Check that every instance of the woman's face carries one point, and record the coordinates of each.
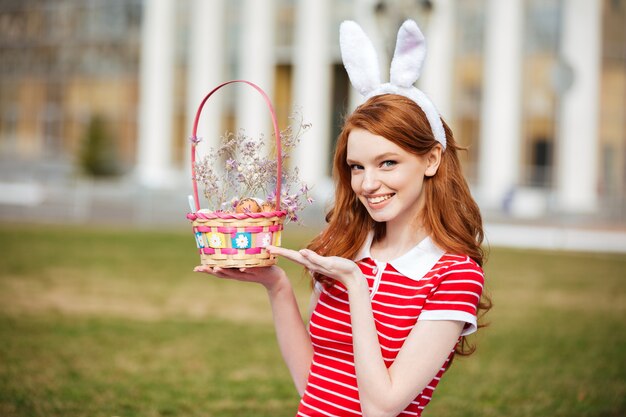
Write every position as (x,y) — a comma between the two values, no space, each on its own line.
(387,179)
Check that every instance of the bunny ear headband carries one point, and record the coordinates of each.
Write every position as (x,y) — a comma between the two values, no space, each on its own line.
(361,62)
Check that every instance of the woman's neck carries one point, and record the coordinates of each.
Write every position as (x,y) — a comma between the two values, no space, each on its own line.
(398,240)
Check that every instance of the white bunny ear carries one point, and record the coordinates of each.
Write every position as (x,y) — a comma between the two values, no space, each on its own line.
(359,57)
(408,56)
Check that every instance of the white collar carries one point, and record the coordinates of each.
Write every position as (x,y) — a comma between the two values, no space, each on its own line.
(413,264)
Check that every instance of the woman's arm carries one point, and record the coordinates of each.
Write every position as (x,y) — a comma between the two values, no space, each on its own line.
(293,338)
(383,391)
(386,392)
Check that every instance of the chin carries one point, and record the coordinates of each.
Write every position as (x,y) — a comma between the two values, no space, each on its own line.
(380,217)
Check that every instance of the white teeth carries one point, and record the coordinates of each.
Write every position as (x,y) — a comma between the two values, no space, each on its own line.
(375,200)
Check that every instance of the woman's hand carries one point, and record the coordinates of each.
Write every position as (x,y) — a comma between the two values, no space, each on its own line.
(335,267)
(268,276)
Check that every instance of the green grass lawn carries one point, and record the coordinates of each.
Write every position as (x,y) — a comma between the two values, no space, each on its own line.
(114,323)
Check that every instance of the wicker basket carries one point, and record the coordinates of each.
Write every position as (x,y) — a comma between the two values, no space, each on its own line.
(236,240)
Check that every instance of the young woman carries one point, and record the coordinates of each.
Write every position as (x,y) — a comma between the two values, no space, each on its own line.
(397,272)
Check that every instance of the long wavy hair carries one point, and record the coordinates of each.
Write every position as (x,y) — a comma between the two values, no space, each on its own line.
(450,215)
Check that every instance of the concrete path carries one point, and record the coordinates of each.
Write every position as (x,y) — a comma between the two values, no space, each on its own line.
(125,204)
(556,238)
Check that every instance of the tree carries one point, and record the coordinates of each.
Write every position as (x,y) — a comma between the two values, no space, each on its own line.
(98,156)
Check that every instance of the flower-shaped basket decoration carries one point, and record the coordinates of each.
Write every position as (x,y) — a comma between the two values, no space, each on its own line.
(239,239)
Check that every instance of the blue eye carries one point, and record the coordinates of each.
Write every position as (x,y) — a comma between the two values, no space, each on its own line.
(354,167)
(389,164)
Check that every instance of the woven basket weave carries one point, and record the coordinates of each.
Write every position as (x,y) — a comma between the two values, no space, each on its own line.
(236,240)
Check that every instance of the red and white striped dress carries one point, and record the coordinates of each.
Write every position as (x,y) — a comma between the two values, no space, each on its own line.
(423,284)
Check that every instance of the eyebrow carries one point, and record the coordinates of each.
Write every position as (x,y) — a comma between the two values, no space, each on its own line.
(381,157)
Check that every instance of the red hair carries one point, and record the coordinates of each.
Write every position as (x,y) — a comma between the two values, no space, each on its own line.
(450,215)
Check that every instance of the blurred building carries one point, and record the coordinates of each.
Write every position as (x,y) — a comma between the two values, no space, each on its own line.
(61,64)
(536,89)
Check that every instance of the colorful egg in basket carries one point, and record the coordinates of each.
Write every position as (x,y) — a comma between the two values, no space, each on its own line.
(238,239)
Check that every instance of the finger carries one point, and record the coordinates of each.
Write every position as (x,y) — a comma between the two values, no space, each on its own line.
(318,260)
(216,272)
(292,255)
(226,272)
(332,264)
(230,273)
(276,250)
(314,267)
(236,273)
(309,254)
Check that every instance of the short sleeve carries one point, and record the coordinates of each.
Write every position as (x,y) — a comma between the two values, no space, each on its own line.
(456,296)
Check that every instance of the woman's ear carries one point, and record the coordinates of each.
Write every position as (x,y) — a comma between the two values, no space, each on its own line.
(433,159)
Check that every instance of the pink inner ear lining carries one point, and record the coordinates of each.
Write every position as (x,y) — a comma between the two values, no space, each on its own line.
(408,56)
(409,45)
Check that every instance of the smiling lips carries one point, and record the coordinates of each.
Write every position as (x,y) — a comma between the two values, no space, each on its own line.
(379,199)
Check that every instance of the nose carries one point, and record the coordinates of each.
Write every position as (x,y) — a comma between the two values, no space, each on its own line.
(370,182)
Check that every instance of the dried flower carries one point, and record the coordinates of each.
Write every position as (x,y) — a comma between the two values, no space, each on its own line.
(236,171)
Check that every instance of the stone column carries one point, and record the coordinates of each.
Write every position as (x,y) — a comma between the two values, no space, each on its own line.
(365,16)
(205,71)
(577,150)
(501,110)
(256,64)
(311,86)
(154,156)
(437,74)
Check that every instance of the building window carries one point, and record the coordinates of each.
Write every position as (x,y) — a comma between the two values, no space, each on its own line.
(540,91)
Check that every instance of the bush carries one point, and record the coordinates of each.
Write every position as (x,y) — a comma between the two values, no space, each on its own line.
(98,156)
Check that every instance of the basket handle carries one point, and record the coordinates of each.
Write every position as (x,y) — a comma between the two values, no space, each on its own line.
(194,140)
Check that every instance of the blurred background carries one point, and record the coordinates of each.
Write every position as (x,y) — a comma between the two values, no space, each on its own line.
(97,100)
(100,313)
